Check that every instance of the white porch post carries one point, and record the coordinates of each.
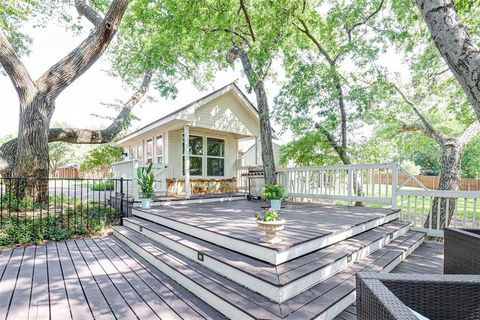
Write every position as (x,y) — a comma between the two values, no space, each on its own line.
(256,150)
(186,152)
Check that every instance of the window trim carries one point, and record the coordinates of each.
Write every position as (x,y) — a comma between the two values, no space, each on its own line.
(146,150)
(156,149)
(205,157)
(196,156)
(215,157)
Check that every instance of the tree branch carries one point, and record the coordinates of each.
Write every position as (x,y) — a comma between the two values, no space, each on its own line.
(88,12)
(247,19)
(63,73)
(15,69)
(367,18)
(307,32)
(86,136)
(340,150)
(459,50)
(427,127)
(469,134)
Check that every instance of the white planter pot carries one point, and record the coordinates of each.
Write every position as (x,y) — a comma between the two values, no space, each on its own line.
(271,228)
(146,203)
(276,204)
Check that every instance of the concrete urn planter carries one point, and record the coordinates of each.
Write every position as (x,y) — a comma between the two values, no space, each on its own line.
(271,228)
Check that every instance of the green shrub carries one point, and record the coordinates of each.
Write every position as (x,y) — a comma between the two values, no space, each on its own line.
(274,192)
(108,185)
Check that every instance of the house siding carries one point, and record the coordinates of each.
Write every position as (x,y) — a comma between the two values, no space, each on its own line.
(223,113)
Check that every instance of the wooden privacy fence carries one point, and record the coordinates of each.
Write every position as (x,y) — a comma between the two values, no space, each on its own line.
(430,182)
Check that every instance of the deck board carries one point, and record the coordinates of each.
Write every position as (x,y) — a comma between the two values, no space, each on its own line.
(236,219)
(428,259)
(89,279)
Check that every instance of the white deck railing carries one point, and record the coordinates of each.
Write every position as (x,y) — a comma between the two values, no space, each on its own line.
(128,170)
(351,183)
(377,185)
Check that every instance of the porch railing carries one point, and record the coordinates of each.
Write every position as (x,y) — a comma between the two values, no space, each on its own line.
(378,185)
(128,170)
(351,183)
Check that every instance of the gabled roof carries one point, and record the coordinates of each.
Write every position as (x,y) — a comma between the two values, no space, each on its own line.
(194,104)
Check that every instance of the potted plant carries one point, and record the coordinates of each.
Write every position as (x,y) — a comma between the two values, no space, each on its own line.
(146,180)
(275,193)
(269,222)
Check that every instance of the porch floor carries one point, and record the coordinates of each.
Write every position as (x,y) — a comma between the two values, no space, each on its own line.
(101,278)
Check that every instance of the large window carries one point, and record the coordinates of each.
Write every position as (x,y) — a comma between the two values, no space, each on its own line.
(196,155)
(149,150)
(159,149)
(215,157)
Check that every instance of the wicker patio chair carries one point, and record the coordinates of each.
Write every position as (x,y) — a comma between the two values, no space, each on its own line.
(462,251)
(383,296)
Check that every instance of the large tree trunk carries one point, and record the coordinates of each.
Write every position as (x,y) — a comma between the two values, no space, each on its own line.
(264,117)
(457,47)
(450,178)
(31,155)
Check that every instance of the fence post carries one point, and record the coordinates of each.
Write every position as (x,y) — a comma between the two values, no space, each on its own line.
(394,185)
(121,201)
(350,184)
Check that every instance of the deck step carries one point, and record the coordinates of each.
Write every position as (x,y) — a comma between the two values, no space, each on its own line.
(324,300)
(278,283)
(299,241)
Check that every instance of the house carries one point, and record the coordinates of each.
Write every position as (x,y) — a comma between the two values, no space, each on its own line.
(253,155)
(212,127)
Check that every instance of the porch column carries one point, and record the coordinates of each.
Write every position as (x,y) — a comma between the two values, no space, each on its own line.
(186,152)
(256,150)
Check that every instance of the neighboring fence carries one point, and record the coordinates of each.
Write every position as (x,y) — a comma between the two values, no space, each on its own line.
(384,185)
(430,182)
(51,209)
(67,173)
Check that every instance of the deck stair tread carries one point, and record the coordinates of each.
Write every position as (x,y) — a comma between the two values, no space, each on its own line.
(284,273)
(235,229)
(309,304)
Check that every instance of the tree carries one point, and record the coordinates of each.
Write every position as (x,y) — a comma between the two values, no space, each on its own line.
(456,45)
(98,162)
(203,36)
(27,155)
(60,154)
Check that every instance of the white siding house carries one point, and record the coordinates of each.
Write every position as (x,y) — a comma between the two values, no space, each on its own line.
(214,126)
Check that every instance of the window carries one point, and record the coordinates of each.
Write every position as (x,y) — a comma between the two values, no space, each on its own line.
(149,150)
(159,150)
(196,155)
(131,153)
(215,157)
(140,153)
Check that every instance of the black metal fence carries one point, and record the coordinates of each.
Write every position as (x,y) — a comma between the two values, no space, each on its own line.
(37,209)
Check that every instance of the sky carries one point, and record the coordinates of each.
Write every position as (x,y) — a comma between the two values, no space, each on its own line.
(77,105)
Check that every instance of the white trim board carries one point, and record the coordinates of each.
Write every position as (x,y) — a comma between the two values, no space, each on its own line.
(277,293)
(266,254)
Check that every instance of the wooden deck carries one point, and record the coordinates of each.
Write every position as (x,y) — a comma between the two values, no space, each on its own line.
(90,279)
(428,258)
(232,224)
(102,279)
